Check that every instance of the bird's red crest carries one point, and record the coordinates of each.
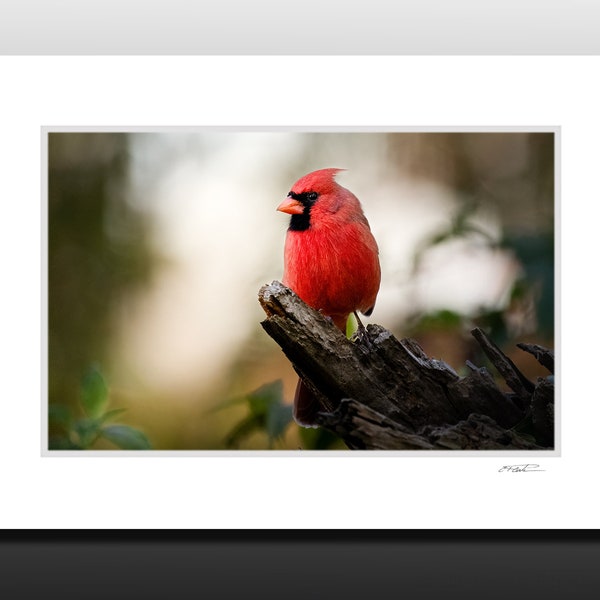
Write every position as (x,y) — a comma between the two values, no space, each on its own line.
(322,181)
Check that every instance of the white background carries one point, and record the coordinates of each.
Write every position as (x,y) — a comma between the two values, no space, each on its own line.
(298,491)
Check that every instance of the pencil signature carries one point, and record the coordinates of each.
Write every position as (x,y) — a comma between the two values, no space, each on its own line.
(525,468)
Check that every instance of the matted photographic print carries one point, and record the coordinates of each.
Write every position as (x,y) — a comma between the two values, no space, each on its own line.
(249,289)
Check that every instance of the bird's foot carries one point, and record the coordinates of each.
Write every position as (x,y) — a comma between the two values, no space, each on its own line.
(361,333)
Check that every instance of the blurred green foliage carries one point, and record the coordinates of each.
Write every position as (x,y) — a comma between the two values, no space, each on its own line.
(511,176)
(97,251)
(267,413)
(532,292)
(535,253)
(94,423)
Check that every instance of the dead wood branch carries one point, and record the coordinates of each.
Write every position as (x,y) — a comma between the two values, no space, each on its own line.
(387,394)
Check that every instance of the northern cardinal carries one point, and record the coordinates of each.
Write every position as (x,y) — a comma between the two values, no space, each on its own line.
(331,259)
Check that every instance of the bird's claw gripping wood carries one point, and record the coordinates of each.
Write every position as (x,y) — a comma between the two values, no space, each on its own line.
(361,333)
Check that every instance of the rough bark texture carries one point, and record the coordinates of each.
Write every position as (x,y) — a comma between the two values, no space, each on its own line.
(378,392)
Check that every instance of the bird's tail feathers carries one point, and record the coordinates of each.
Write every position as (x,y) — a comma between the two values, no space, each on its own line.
(306,406)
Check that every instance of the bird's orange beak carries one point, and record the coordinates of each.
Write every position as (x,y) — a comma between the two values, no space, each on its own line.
(291,207)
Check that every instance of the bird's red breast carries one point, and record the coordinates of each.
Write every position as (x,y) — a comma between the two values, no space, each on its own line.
(331,259)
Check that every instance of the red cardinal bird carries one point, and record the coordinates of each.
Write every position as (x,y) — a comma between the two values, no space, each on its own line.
(331,259)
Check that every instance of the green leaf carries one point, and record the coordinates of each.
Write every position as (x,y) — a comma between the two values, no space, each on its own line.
(278,419)
(268,414)
(269,410)
(59,415)
(111,414)
(261,399)
(125,437)
(94,392)
(258,399)
(243,429)
(87,430)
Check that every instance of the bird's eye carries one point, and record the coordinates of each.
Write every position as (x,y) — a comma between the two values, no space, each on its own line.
(312,196)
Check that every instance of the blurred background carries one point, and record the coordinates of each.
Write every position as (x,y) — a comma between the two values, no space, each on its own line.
(159,242)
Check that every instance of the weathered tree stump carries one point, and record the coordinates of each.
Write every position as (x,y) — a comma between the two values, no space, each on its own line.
(387,394)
